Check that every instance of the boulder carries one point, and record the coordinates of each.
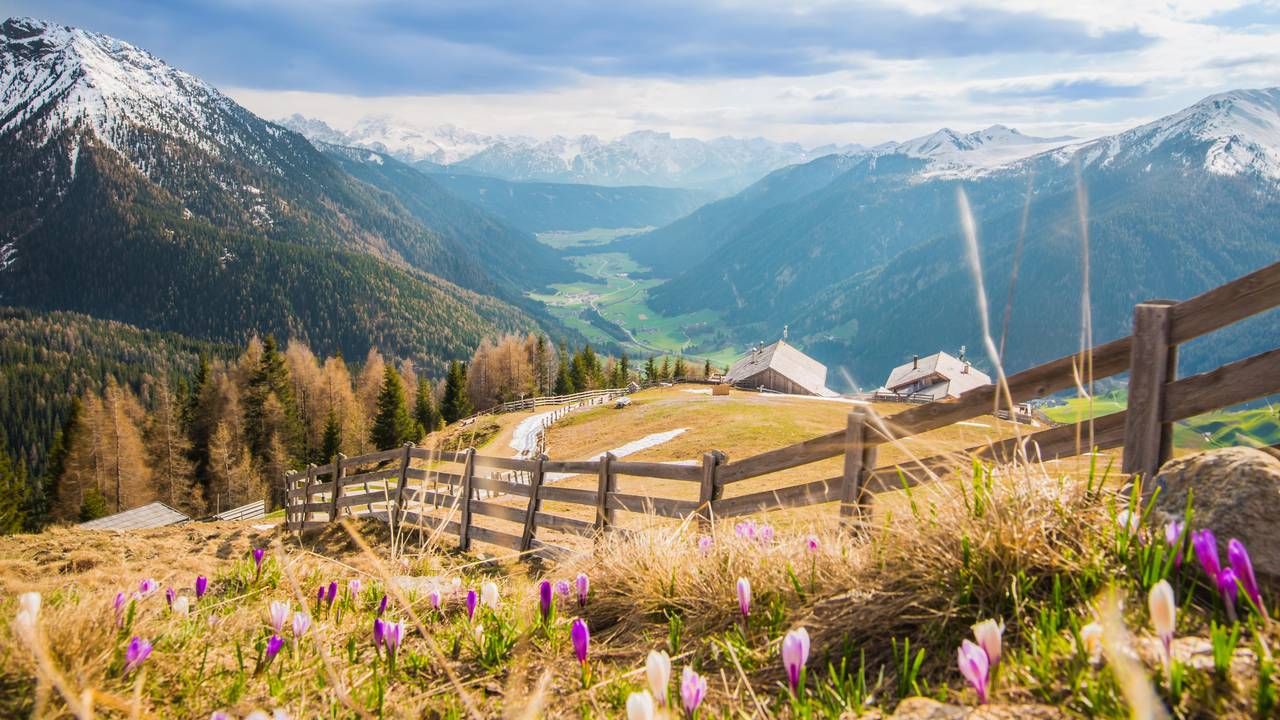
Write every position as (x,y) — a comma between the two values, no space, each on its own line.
(922,708)
(1236,493)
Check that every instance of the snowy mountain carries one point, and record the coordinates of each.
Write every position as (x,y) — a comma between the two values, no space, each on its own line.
(949,153)
(639,158)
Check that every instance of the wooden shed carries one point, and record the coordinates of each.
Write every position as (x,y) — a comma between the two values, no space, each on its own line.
(781,368)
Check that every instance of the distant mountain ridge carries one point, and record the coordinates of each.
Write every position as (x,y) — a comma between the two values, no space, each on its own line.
(639,158)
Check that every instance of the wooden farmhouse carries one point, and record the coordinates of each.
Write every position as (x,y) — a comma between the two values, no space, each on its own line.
(936,377)
(780,368)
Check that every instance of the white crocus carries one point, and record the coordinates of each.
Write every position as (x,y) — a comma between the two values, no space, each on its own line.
(28,612)
(657,668)
(640,706)
(1091,638)
(182,605)
(988,633)
(489,595)
(1164,613)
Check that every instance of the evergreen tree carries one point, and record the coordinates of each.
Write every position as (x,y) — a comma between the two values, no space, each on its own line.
(564,378)
(679,370)
(56,466)
(13,492)
(93,506)
(332,443)
(541,366)
(424,410)
(624,371)
(665,372)
(392,425)
(706,370)
(457,403)
(270,378)
(650,370)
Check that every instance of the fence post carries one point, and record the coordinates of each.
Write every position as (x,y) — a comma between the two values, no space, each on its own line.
(464,521)
(604,516)
(859,459)
(1153,362)
(290,479)
(404,478)
(710,489)
(301,518)
(338,473)
(535,504)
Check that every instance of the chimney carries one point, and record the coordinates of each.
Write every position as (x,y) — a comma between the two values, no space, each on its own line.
(915,362)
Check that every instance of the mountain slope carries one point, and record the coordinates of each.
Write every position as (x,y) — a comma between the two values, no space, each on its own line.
(133,191)
(544,206)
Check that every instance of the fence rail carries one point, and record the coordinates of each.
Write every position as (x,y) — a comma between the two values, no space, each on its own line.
(443,498)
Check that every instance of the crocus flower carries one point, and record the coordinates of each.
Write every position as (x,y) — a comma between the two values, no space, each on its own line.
(811,543)
(544,599)
(392,635)
(382,605)
(202,585)
(795,653)
(28,612)
(581,637)
(274,643)
(118,605)
(563,591)
(693,688)
(1091,638)
(379,632)
(332,594)
(1164,613)
(181,605)
(1238,556)
(745,529)
(354,586)
(472,600)
(319,596)
(744,597)
(301,623)
(258,555)
(279,613)
(1206,548)
(147,587)
(169,595)
(764,534)
(435,598)
(219,715)
(137,651)
(657,668)
(975,667)
(988,634)
(1173,537)
(1229,587)
(1127,520)
(705,544)
(640,706)
(489,594)
(583,586)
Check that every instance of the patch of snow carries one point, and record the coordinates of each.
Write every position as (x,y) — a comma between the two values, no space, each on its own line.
(8,253)
(697,391)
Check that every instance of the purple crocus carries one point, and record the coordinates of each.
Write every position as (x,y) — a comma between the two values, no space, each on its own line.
(332,594)
(581,637)
(379,632)
(975,667)
(583,586)
(436,599)
(258,555)
(744,597)
(118,606)
(169,595)
(1229,587)
(811,544)
(693,688)
(544,599)
(382,605)
(319,596)
(795,653)
(137,651)
(705,543)
(274,643)
(392,636)
(472,600)
(765,534)
(745,530)
(563,591)
(354,586)
(147,587)
(1206,548)
(1173,536)
(1238,556)
(301,623)
(202,586)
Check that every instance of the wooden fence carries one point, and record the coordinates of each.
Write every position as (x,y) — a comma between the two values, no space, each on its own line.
(440,495)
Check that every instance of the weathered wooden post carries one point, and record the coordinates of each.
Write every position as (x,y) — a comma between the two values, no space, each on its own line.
(1153,362)
(404,479)
(290,480)
(604,516)
(535,504)
(464,521)
(859,461)
(338,473)
(709,491)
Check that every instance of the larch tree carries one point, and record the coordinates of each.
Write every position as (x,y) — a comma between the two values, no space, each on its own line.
(168,455)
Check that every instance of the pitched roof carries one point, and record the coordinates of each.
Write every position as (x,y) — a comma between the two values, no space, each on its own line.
(254,510)
(788,361)
(960,376)
(151,515)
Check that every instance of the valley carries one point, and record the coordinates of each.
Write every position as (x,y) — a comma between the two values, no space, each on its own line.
(611,307)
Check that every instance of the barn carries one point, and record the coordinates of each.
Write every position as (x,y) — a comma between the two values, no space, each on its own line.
(935,377)
(781,368)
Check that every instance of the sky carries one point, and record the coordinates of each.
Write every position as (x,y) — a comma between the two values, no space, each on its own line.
(802,71)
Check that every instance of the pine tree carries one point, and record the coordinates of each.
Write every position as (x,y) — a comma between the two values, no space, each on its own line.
(706,370)
(457,403)
(650,370)
(56,466)
(270,378)
(392,425)
(679,370)
(564,379)
(13,492)
(93,506)
(541,366)
(624,371)
(332,443)
(665,372)
(424,410)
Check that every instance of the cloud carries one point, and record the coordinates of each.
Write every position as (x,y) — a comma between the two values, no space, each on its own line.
(1067,90)
(387,48)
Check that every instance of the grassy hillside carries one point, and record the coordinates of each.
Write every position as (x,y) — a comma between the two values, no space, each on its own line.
(1254,427)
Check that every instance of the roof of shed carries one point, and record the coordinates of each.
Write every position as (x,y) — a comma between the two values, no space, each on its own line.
(786,360)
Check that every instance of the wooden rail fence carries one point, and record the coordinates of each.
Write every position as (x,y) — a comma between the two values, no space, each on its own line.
(440,494)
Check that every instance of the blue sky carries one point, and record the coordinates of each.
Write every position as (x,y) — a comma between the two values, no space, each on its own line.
(806,71)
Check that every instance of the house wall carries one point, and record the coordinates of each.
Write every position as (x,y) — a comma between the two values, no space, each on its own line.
(773,380)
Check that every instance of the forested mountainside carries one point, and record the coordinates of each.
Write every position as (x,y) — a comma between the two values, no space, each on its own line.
(871,267)
(545,206)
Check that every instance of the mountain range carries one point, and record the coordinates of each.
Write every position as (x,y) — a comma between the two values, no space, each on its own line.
(862,255)
(644,157)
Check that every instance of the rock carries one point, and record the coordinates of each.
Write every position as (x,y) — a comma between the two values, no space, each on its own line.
(1236,494)
(922,708)
(1016,712)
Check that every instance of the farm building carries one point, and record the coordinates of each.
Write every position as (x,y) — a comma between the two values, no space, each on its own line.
(151,515)
(935,377)
(781,368)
